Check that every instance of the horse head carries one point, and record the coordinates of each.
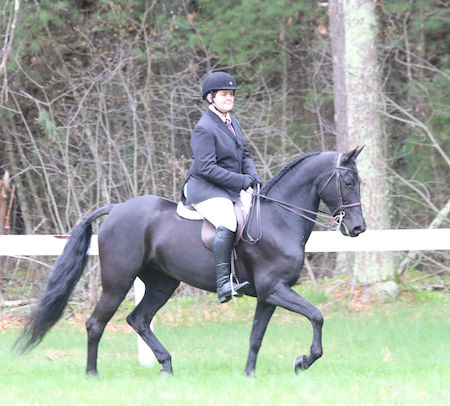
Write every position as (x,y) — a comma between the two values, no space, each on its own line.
(341,193)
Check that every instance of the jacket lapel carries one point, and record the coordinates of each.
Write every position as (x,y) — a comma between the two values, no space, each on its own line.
(239,136)
(222,126)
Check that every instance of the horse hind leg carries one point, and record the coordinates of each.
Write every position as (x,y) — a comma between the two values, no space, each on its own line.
(158,289)
(95,325)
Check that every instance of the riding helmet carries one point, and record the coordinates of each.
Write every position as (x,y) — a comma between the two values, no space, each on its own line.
(218,81)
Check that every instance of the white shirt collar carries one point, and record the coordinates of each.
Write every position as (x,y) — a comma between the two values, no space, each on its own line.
(222,117)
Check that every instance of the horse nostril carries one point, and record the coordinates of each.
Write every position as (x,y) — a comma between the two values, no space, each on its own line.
(358,230)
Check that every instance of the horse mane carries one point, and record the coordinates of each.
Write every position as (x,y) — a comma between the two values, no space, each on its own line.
(272,182)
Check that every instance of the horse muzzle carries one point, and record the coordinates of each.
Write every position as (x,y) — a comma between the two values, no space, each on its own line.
(352,229)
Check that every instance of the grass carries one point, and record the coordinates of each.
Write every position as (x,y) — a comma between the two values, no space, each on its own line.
(391,354)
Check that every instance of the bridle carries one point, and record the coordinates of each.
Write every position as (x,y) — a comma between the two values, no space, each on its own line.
(337,215)
(337,173)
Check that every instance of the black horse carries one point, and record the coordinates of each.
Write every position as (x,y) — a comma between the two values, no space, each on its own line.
(145,238)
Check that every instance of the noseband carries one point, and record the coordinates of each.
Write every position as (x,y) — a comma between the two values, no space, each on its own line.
(337,173)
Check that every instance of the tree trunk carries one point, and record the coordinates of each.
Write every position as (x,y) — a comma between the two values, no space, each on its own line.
(337,34)
(344,260)
(353,28)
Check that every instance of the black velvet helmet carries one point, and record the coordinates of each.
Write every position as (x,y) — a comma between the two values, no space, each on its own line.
(218,81)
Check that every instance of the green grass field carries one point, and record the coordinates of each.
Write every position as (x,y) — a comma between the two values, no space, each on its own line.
(391,354)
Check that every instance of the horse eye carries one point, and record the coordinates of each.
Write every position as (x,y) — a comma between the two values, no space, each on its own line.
(349,184)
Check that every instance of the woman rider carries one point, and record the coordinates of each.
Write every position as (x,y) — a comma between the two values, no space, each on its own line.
(221,167)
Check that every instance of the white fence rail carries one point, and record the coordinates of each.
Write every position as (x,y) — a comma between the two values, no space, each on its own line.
(319,241)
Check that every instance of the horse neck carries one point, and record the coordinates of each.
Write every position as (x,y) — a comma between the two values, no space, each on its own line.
(300,185)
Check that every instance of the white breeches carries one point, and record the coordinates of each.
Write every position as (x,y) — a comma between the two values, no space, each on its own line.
(219,211)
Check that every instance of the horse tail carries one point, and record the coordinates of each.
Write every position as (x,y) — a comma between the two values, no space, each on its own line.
(66,273)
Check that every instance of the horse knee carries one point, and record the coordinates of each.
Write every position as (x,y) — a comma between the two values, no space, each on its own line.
(89,326)
(317,318)
(94,330)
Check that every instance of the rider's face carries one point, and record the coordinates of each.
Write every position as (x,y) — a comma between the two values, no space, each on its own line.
(224,100)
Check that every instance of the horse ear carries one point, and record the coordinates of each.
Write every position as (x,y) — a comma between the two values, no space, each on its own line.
(357,151)
(353,154)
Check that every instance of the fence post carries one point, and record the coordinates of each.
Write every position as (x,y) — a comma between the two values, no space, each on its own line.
(145,354)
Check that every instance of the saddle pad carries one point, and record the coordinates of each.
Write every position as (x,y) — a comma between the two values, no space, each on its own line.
(188,212)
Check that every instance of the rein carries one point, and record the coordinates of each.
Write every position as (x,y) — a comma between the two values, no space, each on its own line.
(337,215)
(254,212)
(300,212)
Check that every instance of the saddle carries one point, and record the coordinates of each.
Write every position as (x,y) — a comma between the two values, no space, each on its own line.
(208,230)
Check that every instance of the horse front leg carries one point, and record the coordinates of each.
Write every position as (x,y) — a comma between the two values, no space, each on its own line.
(287,298)
(263,313)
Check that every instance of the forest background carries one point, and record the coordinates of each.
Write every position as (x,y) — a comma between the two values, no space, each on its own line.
(98,101)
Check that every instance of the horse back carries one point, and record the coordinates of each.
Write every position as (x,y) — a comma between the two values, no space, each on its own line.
(145,233)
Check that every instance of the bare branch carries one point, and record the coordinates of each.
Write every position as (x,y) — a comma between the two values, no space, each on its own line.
(416,123)
(6,49)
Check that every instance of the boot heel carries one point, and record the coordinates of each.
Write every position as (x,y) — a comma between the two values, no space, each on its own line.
(224,299)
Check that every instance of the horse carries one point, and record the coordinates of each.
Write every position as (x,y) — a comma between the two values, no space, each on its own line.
(145,238)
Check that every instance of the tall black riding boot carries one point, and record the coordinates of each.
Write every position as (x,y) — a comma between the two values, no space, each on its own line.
(223,243)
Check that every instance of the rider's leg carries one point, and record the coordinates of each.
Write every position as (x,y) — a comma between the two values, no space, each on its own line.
(220,212)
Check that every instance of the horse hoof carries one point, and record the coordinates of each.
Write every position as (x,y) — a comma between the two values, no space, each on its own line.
(300,364)
(165,373)
(92,374)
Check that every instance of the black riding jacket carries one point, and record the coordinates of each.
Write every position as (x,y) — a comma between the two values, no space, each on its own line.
(220,160)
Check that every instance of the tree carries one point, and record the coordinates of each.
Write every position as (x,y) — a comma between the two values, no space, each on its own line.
(353,27)
(98,100)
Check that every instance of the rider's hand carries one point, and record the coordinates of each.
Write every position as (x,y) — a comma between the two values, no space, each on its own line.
(248,181)
(258,179)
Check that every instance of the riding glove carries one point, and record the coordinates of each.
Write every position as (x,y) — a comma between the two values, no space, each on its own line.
(258,179)
(248,181)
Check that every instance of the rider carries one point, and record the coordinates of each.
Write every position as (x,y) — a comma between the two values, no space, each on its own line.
(221,167)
